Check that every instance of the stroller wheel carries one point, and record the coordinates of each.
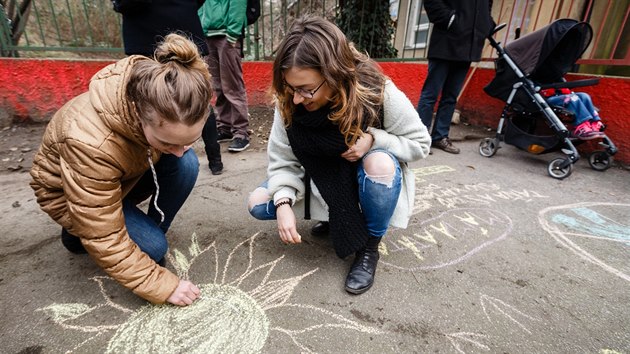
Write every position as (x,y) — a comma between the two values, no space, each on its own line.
(556,170)
(488,147)
(600,160)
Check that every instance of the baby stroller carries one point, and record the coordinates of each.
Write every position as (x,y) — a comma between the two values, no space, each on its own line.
(539,60)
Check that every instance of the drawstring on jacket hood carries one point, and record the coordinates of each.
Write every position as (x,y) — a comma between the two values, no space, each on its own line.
(157,186)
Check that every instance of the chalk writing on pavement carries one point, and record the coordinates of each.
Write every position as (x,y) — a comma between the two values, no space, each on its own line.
(446,239)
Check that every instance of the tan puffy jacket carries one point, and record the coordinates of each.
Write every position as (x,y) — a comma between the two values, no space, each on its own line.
(92,154)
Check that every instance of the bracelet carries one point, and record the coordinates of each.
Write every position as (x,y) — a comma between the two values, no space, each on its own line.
(284,202)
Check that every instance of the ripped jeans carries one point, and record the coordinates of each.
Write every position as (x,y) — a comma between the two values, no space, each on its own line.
(378,192)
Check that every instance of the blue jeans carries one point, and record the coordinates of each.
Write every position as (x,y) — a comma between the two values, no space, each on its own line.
(579,103)
(377,199)
(445,78)
(176,178)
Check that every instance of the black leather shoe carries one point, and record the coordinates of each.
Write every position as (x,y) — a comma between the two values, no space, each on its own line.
(216,167)
(361,275)
(320,229)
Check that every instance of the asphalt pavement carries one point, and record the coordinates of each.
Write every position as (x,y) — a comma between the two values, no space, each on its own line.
(498,258)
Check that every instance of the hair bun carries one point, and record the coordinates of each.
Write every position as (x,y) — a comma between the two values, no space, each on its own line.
(177,48)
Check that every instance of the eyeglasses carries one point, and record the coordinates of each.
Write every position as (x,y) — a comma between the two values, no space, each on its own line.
(302,92)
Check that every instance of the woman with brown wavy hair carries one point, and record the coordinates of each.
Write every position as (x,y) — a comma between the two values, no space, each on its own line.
(341,139)
(126,139)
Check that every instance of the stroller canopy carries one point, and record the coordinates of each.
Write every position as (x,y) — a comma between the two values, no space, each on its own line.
(547,54)
(544,55)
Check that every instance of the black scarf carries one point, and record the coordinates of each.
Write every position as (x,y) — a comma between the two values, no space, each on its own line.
(318,144)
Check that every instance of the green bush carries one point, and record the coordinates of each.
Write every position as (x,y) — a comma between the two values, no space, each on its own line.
(369,26)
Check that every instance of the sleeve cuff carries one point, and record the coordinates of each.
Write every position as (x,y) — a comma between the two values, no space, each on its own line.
(284,193)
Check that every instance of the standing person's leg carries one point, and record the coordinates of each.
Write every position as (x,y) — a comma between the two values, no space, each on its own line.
(222,107)
(380,183)
(235,95)
(209,135)
(436,74)
(453,82)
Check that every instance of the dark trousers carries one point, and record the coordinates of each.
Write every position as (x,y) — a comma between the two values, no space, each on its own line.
(445,79)
(224,63)
(209,135)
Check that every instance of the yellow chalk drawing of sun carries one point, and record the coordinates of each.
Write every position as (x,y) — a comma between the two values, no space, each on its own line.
(226,319)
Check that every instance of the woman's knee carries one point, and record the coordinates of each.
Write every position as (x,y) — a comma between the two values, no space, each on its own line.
(189,162)
(260,195)
(257,203)
(159,249)
(379,164)
(152,242)
(182,170)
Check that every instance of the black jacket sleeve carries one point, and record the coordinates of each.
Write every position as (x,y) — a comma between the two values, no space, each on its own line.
(130,6)
(438,12)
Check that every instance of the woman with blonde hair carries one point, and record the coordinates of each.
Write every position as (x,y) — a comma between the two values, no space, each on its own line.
(126,139)
(342,125)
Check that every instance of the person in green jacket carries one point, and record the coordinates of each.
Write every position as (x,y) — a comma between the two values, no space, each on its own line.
(223,22)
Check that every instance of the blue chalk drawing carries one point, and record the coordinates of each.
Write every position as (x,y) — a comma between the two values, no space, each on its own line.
(587,221)
(596,221)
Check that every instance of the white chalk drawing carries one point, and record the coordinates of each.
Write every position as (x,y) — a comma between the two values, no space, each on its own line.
(579,226)
(476,194)
(228,318)
(609,351)
(508,311)
(445,240)
(432,170)
(459,338)
(489,304)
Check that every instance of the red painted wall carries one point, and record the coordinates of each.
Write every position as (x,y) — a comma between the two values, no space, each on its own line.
(32,89)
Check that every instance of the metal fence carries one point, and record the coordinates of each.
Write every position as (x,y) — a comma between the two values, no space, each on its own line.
(57,28)
(91,29)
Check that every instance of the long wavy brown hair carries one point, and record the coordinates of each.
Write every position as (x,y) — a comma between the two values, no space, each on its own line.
(175,85)
(356,81)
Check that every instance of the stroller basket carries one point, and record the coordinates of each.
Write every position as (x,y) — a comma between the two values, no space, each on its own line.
(520,132)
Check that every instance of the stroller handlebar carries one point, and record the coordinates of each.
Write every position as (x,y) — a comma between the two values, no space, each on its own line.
(497,28)
(496,45)
(571,84)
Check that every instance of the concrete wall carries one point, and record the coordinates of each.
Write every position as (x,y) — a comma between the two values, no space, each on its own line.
(32,90)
